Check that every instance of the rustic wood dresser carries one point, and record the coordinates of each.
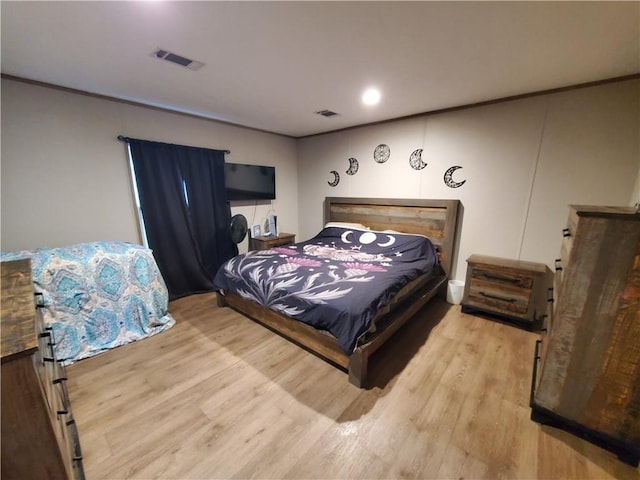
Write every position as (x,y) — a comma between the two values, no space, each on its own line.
(39,435)
(587,368)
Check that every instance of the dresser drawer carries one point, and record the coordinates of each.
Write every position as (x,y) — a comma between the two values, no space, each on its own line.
(557,279)
(499,297)
(502,277)
(561,263)
(545,334)
(568,234)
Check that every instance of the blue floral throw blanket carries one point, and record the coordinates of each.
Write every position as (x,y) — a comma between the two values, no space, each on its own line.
(98,296)
(337,281)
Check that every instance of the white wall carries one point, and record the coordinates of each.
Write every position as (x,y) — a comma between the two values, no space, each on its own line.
(65,176)
(524,161)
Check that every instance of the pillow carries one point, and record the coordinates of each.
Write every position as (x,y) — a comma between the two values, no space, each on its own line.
(346,225)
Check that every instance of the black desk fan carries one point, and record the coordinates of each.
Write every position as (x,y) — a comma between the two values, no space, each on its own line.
(238,228)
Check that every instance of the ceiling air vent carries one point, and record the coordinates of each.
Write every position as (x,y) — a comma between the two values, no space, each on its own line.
(178,59)
(326,113)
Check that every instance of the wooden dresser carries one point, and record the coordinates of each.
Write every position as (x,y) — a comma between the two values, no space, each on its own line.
(587,366)
(264,243)
(511,289)
(39,436)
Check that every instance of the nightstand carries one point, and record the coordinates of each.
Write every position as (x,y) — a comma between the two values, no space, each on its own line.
(510,289)
(264,243)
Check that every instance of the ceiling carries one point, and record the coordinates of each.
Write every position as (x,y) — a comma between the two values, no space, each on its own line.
(272,65)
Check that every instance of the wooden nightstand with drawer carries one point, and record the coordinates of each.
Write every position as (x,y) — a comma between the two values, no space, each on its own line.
(510,289)
(264,243)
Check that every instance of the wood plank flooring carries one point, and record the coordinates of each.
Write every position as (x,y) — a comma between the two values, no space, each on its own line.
(218,396)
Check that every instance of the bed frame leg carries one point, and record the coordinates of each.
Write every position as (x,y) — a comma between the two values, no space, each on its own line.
(220,300)
(358,366)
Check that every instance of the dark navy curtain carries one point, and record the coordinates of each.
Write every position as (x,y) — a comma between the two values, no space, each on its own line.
(186,212)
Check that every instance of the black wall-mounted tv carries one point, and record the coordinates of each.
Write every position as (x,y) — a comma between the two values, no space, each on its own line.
(249,182)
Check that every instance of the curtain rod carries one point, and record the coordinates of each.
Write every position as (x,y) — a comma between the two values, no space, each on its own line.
(122,138)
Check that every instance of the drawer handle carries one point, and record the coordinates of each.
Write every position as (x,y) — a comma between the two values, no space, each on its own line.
(60,380)
(492,276)
(558,264)
(566,232)
(39,299)
(550,294)
(498,297)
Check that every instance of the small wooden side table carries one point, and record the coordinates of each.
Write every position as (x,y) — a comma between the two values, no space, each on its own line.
(264,243)
(511,289)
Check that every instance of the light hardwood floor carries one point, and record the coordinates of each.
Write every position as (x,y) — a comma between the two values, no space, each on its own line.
(219,396)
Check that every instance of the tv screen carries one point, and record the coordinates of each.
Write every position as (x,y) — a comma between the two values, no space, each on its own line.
(249,182)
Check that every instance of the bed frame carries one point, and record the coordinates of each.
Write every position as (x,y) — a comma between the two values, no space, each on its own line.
(437,219)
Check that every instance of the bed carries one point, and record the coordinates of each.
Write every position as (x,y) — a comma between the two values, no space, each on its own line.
(368,238)
(97,296)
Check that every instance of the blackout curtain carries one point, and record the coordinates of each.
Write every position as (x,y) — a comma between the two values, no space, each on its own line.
(186,213)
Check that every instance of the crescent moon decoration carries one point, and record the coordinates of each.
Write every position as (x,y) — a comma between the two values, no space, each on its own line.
(336,178)
(415,160)
(381,153)
(448,180)
(344,236)
(353,166)
(389,242)
(367,237)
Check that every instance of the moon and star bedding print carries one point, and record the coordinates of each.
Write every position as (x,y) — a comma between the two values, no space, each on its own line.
(337,281)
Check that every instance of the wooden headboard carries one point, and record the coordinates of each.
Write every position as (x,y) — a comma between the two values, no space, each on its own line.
(436,219)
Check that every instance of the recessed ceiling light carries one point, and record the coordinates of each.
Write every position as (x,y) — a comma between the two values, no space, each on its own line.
(371,96)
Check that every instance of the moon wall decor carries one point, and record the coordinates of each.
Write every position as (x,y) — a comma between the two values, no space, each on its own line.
(381,153)
(353,166)
(336,179)
(448,178)
(415,160)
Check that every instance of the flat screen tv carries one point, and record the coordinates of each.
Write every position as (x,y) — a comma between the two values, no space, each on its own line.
(249,182)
